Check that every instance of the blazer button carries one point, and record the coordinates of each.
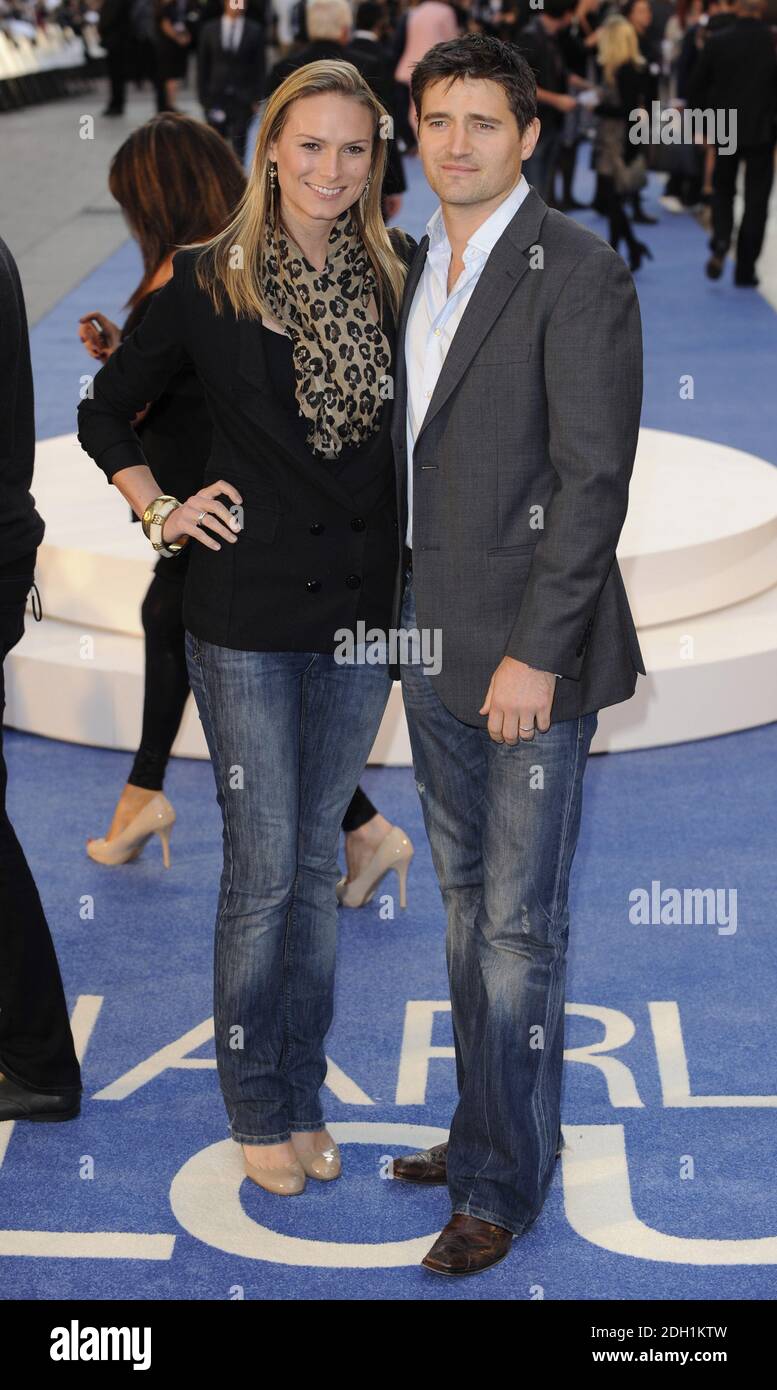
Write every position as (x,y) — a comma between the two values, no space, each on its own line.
(358,523)
(313,586)
(353,581)
(316,528)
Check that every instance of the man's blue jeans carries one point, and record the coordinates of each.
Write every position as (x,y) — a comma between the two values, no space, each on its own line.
(502,823)
(289,734)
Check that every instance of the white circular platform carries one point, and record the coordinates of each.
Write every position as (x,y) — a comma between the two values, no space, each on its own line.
(698,555)
(701,530)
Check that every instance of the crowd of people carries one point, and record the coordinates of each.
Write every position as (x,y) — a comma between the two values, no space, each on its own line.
(595,61)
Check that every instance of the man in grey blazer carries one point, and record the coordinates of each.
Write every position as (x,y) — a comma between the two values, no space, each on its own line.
(517,402)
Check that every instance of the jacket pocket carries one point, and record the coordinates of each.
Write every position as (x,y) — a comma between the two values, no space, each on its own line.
(259,523)
(508,550)
(511,357)
(261,511)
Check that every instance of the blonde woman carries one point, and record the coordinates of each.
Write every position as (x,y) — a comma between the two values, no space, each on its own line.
(619,163)
(289,317)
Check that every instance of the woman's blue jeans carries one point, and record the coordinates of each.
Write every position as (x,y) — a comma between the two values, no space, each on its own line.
(289,734)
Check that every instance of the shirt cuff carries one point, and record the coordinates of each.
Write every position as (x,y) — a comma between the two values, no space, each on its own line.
(124,454)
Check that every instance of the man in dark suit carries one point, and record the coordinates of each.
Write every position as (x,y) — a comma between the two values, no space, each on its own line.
(649,29)
(370,28)
(717,16)
(737,70)
(230,72)
(39,1074)
(516,418)
(539,44)
(114,28)
(367,38)
(329,26)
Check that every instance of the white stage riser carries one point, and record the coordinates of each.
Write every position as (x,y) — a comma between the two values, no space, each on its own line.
(684,584)
(100,702)
(698,553)
(106,591)
(701,533)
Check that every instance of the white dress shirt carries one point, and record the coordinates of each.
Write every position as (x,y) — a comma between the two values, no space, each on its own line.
(232,32)
(435,315)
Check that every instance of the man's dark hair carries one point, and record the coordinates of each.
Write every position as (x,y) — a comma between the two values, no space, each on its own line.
(480,56)
(556,9)
(368,13)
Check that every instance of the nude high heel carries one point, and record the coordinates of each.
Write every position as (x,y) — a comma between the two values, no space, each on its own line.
(324,1165)
(394,852)
(157,817)
(287,1181)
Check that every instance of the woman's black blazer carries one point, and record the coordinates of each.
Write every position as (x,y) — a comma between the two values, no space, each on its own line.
(320,546)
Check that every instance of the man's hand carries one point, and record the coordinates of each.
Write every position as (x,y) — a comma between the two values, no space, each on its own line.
(517,696)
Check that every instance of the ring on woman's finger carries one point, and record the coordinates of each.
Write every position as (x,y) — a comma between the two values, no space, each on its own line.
(199,518)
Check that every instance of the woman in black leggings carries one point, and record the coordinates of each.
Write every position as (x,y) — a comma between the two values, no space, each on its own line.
(625,88)
(151,177)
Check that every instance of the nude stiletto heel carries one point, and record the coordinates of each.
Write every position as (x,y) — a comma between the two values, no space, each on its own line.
(157,817)
(394,852)
(164,835)
(402,869)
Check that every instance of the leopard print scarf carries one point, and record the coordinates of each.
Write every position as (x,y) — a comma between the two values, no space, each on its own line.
(340,353)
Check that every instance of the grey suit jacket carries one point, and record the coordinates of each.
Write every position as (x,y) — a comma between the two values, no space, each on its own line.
(521,470)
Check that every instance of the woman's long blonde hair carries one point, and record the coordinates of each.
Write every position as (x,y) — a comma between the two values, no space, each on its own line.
(617,44)
(232,262)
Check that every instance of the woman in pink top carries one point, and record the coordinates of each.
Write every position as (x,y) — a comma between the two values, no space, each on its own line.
(431,22)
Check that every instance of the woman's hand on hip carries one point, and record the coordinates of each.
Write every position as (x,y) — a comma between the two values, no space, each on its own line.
(202,510)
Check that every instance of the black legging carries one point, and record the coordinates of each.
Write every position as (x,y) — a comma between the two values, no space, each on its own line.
(360,810)
(620,226)
(167,678)
(167,688)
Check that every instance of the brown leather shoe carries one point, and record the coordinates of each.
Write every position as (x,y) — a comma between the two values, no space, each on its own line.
(468,1245)
(428,1167)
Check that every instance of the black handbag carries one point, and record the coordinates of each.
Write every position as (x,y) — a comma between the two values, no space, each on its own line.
(630,178)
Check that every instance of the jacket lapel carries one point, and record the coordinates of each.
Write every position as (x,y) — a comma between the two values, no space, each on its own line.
(252,368)
(400,376)
(274,419)
(504,269)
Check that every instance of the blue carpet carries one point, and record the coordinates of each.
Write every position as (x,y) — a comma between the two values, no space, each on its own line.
(696,815)
(691,815)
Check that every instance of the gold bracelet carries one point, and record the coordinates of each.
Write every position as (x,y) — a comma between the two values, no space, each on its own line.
(153,520)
